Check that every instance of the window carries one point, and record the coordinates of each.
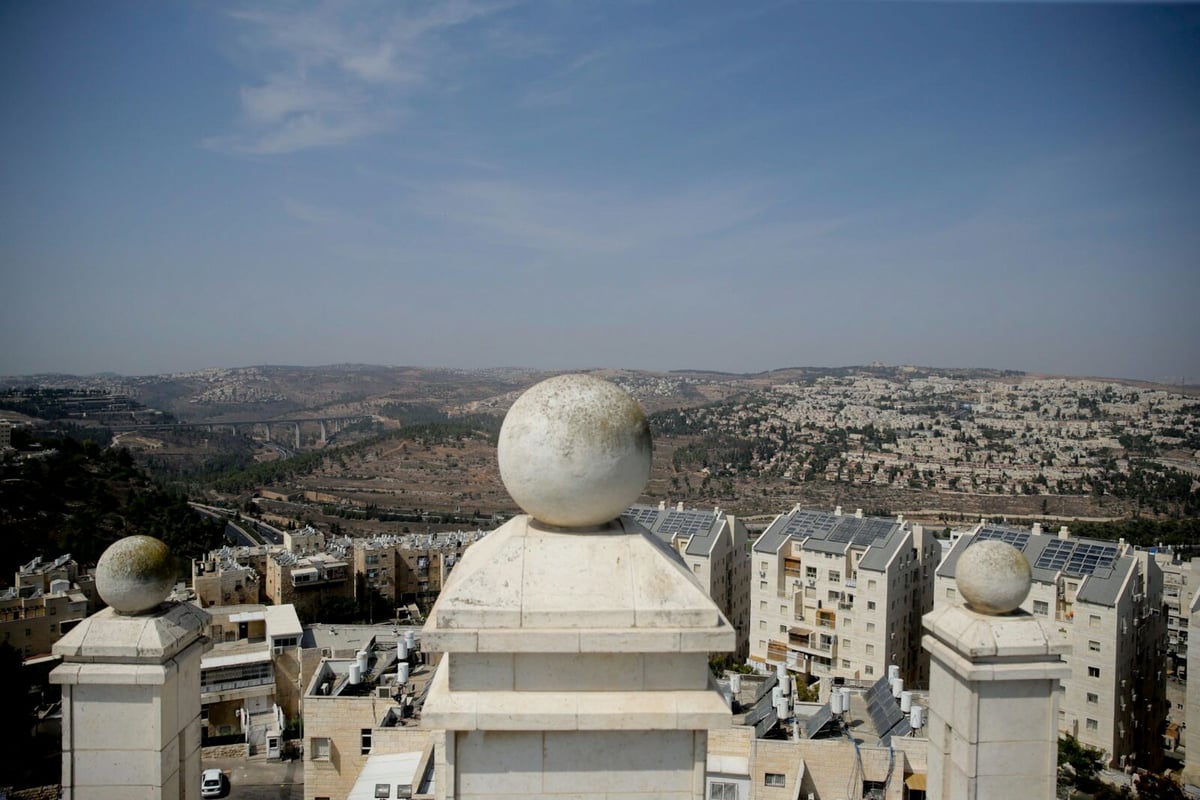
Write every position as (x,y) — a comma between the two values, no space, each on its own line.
(775,779)
(835,575)
(782,608)
(1041,607)
(365,741)
(810,572)
(762,584)
(1093,645)
(870,627)
(1093,672)
(845,642)
(870,605)
(845,663)
(762,605)
(762,624)
(1092,725)
(696,568)
(762,565)
(319,745)
(1093,698)
(722,790)
(869,669)
(783,628)
(870,649)
(871,584)
(1094,620)
(950,593)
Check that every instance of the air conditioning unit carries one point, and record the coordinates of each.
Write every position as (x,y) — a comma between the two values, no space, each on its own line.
(762,573)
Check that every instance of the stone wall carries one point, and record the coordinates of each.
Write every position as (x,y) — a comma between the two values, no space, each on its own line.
(52,792)
(223,751)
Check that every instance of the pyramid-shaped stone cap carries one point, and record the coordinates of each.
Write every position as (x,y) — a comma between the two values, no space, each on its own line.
(107,636)
(1014,646)
(529,587)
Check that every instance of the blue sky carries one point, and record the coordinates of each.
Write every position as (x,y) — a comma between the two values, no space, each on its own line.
(577,184)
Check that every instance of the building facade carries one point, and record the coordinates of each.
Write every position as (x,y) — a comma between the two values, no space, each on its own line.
(43,603)
(1105,599)
(409,568)
(713,544)
(250,677)
(841,595)
(360,724)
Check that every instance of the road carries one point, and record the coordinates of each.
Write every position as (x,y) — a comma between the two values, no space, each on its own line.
(259,779)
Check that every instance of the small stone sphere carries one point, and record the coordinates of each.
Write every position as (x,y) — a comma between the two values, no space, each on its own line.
(993,577)
(135,574)
(574,451)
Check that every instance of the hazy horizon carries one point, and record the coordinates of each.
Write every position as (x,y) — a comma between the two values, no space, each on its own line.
(195,185)
(589,368)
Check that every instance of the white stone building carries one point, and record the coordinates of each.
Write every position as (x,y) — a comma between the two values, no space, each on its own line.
(1105,599)
(360,721)
(841,595)
(250,676)
(713,544)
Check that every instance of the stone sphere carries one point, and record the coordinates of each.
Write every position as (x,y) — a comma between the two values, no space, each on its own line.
(574,451)
(135,574)
(993,577)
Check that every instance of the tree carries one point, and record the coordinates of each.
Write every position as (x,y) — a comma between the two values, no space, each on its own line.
(1156,787)
(1078,760)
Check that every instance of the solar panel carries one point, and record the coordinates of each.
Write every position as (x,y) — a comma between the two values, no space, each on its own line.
(902,728)
(1018,539)
(686,523)
(814,724)
(844,533)
(1087,558)
(872,530)
(1055,555)
(810,523)
(642,516)
(883,709)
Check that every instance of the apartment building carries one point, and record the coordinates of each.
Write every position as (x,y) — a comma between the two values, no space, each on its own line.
(1107,601)
(361,723)
(250,678)
(867,748)
(713,545)
(1179,585)
(841,595)
(409,568)
(219,579)
(43,603)
(307,581)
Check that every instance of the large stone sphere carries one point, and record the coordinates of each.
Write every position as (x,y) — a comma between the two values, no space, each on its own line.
(135,574)
(574,451)
(993,577)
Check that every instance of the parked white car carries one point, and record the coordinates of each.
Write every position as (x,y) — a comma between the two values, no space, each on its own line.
(212,783)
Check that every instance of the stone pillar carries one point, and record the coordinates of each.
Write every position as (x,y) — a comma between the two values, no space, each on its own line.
(576,645)
(131,684)
(993,685)
(297,436)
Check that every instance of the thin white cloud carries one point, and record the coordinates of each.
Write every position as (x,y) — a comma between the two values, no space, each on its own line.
(330,73)
(555,221)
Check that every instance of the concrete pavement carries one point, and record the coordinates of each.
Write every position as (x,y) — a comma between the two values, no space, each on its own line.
(260,779)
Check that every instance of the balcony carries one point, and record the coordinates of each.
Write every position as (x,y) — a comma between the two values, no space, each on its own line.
(810,642)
